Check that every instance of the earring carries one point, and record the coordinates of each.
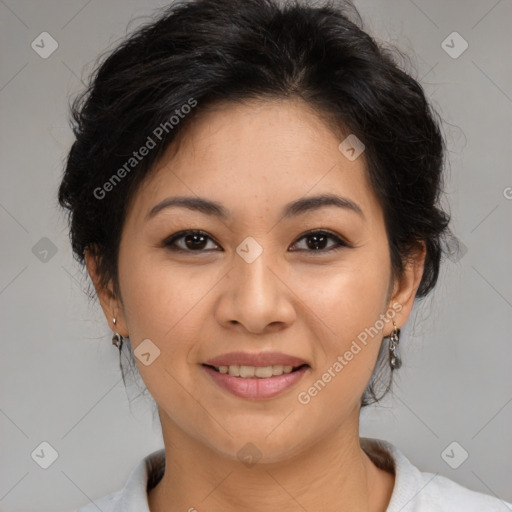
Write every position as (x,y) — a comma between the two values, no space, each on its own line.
(394,360)
(117,339)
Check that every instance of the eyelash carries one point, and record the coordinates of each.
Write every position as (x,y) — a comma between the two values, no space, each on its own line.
(341,244)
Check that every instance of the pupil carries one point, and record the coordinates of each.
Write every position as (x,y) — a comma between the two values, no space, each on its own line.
(198,241)
(318,239)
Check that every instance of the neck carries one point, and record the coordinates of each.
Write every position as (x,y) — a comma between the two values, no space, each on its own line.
(333,474)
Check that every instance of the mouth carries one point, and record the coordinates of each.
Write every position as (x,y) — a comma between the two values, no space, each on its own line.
(256,382)
(256,372)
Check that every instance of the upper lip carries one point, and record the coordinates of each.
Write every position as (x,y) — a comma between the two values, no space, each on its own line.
(258,359)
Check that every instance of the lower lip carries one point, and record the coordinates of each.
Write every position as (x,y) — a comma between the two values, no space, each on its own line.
(256,388)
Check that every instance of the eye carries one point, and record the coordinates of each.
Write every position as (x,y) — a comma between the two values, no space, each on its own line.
(316,241)
(193,241)
(197,241)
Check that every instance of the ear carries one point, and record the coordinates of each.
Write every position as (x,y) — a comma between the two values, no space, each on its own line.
(406,286)
(111,305)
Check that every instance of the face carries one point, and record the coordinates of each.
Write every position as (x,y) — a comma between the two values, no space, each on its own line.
(266,278)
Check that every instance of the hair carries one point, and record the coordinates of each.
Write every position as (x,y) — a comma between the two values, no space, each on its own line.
(202,53)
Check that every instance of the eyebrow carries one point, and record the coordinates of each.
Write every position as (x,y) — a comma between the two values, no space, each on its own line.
(292,209)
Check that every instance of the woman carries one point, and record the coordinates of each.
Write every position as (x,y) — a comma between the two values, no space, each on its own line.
(254,189)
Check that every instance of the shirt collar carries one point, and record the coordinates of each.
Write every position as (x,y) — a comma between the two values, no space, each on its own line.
(134,495)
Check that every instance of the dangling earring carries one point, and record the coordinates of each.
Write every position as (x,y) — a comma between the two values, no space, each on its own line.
(394,360)
(117,339)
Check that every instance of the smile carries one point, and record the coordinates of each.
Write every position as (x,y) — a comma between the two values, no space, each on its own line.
(256,382)
(259,372)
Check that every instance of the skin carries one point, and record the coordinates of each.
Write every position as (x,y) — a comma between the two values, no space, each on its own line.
(254,158)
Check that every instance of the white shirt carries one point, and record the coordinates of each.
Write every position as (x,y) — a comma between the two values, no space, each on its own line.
(414,491)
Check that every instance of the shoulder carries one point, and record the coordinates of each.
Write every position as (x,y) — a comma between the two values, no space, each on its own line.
(418,491)
(133,496)
(106,503)
(442,494)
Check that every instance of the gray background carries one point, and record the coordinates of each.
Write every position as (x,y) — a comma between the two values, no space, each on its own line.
(60,380)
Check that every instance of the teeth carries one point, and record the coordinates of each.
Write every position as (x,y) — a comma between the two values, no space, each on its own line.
(262,372)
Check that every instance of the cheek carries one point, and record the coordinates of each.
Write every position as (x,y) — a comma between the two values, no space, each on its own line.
(350,302)
(351,346)
(166,304)
(157,304)
(349,297)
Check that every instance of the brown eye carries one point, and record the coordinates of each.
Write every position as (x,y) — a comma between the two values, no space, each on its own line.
(197,241)
(317,241)
(190,241)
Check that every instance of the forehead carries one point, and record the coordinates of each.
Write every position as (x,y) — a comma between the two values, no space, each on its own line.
(259,154)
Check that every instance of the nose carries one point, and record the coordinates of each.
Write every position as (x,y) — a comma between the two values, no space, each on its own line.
(256,296)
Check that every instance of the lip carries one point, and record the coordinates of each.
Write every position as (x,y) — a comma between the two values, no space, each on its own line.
(255,388)
(255,359)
